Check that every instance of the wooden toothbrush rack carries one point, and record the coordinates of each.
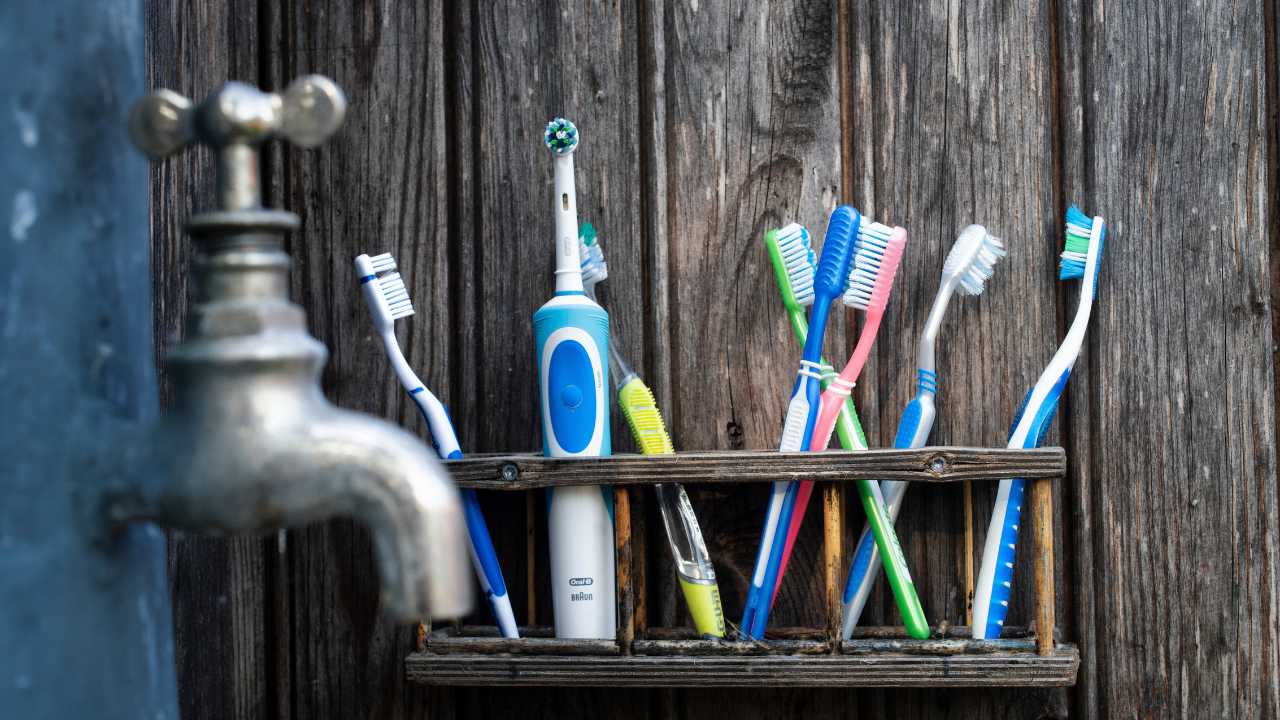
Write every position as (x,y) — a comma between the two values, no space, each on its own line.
(675,657)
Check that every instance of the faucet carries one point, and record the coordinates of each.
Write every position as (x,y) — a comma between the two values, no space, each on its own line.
(251,443)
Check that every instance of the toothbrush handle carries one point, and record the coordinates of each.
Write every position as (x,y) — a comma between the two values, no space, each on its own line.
(684,535)
(754,606)
(995,578)
(851,438)
(913,430)
(483,556)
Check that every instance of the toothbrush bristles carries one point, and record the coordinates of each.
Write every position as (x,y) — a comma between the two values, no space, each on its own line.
(796,248)
(1076,248)
(396,295)
(868,258)
(975,276)
(383,263)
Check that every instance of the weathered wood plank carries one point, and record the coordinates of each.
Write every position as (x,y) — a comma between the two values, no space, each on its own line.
(527,65)
(956,121)
(750,140)
(220,587)
(933,465)
(1022,669)
(1181,407)
(380,185)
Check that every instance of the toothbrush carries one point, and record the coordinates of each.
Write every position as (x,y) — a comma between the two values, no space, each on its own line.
(388,300)
(880,251)
(969,264)
(793,265)
(829,283)
(572,335)
(1081,259)
(694,570)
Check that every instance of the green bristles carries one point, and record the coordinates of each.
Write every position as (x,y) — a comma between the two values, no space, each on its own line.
(1076,249)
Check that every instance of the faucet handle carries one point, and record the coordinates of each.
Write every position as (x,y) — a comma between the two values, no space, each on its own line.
(234,119)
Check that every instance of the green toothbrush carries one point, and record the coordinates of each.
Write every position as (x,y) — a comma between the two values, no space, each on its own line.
(792,258)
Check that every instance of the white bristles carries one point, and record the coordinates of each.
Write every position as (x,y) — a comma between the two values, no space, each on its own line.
(873,240)
(395,294)
(796,248)
(383,263)
(972,259)
(591,260)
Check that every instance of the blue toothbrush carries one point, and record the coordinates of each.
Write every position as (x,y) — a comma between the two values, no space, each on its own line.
(388,300)
(829,285)
(1081,260)
(572,335)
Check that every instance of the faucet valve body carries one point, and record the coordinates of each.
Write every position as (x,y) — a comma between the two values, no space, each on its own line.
(251,444)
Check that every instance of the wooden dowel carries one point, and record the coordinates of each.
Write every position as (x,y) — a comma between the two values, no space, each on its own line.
(968,553)
(530,549)
(626,593)
(639,553)
(1042,547)
(833,552)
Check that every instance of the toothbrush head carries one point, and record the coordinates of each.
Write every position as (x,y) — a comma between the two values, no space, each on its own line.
(875,263)
(1081,235)
(791,254)
(973,258)
(838,248)
(594,268)
(561,137)
(386,294)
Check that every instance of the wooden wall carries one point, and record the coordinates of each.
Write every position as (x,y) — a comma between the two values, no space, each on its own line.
(704,123)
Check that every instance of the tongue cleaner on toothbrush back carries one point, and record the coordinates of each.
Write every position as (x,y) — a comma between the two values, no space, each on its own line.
(572,336)
(968,265)
(388,300)
(829,284)
(1081,259)
(696,574)
(793,265)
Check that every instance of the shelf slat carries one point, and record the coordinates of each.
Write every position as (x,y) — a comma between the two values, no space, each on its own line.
(931,464)
(1011,668)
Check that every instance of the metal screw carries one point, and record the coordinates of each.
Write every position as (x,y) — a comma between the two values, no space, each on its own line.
(510,472)
(937,465)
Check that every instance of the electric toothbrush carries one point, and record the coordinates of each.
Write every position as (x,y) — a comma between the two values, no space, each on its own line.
(572,336)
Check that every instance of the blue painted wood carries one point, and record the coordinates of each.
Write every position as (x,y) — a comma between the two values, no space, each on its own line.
(85,630)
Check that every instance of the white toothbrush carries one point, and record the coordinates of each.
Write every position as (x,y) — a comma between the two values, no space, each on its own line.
(968,265)
(388,300)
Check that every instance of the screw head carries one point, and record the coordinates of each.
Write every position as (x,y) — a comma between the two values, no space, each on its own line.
(510,472)
(937,465)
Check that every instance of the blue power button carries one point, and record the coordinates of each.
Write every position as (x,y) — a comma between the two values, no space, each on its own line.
(571,396)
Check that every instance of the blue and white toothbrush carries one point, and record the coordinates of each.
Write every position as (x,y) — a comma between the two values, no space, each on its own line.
(968,266)
(388,300)
(1081,260)
(829,285)
(572,335)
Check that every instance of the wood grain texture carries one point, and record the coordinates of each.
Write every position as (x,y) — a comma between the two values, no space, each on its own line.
(704,122)
(380,185)
(750,139)
(221,587)
(1181,406)
(931,465)
(955,122)
(886,669)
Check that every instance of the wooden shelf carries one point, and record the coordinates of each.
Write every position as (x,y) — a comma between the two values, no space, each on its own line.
(797,657)
(932,464)
(451,658)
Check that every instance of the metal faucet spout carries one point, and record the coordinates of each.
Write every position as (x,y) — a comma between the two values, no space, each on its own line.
(250,443)
(250,479)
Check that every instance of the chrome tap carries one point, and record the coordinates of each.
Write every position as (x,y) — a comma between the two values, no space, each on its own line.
(251,444)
